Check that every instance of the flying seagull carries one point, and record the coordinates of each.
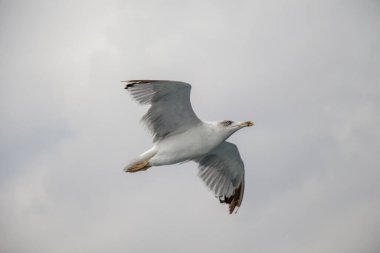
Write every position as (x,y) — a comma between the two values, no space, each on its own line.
(180,136)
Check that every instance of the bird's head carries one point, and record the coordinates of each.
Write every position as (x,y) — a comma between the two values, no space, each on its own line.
(228,127)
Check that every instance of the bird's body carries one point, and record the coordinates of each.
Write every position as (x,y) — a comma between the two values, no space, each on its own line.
(188,145)
(179,136)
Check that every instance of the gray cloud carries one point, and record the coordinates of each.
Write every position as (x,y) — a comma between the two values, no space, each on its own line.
(305,72)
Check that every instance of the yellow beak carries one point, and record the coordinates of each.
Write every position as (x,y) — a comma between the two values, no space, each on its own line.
(247,124)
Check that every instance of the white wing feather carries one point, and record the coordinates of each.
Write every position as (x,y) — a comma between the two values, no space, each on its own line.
(222,169)
(170,111)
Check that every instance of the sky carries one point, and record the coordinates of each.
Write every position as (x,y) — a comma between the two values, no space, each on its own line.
(306,72)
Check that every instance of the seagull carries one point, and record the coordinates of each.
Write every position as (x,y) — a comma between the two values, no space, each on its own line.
(180,136)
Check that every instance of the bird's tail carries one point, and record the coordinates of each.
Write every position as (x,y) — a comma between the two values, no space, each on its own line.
(142,161)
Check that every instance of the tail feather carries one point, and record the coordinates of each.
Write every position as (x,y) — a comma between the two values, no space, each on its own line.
(138,167)
(142,161)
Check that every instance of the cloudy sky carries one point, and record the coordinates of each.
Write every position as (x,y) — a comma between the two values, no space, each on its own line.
(307,72)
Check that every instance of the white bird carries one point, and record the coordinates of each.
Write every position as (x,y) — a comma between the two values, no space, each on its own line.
(180,136)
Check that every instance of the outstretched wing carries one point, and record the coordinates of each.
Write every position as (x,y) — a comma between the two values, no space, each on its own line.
(170,111)
(222,170)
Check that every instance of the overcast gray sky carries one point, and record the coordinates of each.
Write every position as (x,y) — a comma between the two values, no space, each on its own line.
(307,72)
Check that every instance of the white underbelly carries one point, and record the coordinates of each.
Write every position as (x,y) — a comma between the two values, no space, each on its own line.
(184,147)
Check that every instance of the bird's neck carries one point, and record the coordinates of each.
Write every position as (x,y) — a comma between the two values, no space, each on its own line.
(216,131)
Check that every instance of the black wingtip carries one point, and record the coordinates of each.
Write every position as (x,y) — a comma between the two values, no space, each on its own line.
(132,83)
(129,85)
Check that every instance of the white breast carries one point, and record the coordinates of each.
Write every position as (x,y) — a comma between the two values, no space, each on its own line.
(188,145)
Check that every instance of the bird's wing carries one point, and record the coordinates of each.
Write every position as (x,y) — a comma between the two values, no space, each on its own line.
(222,169)
(170,111)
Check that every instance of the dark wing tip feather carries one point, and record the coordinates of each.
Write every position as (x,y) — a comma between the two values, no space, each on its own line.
(132,83)
(235,199)
(129,86)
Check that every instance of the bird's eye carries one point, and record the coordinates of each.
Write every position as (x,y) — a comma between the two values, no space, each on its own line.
(226,122)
